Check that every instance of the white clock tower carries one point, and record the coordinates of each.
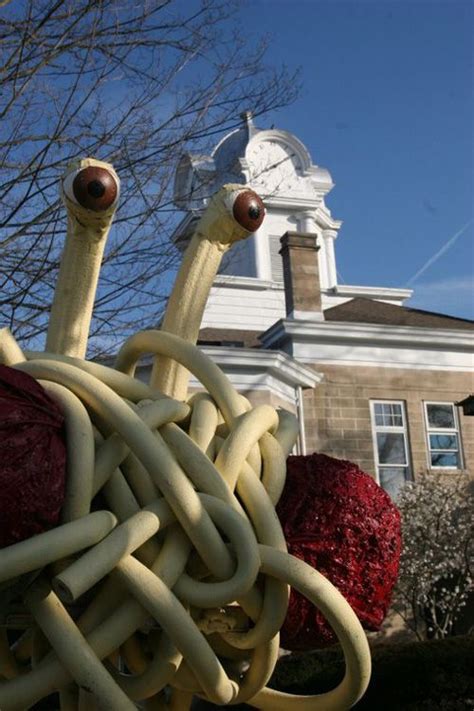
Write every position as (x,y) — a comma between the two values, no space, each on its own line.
(249,291)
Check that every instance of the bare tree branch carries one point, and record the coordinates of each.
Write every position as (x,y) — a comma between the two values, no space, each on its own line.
(131,83)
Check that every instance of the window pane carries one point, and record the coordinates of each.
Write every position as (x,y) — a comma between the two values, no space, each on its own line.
(392,480)
(388,414)
(443,441)
(443,459)
(441,416)
(378,414)
(394,415)
(391,448)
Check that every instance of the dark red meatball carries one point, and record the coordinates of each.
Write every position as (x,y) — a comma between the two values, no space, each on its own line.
(32,458)
(338,519)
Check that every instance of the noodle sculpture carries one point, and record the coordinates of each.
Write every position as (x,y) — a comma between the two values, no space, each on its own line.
(167,574)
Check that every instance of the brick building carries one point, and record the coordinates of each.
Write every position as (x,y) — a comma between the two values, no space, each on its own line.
(370,379)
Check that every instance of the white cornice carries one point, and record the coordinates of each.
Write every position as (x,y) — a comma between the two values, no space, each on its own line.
(248,369)
(372,292)
(369,334)
(289,201)
(278,364)
(325,220)
(348,344)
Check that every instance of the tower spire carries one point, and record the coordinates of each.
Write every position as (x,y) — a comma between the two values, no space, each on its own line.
(247,119)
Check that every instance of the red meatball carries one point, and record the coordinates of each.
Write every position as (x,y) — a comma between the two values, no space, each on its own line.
(32,458)
(336,518)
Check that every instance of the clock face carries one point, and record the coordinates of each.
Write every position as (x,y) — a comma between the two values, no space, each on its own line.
(272,167)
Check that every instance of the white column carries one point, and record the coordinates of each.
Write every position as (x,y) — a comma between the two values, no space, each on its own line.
(329,236)
(263,266)
(306,222)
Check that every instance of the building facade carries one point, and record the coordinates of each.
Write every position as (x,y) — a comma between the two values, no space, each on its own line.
(371,380)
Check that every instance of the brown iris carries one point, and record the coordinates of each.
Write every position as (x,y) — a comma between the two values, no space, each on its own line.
(249,210)
(95,188)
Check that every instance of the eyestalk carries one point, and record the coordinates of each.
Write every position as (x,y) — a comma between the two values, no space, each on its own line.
(233,214)
(89,190)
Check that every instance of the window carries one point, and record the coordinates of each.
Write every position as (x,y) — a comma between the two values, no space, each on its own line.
(442,433)
(389,431)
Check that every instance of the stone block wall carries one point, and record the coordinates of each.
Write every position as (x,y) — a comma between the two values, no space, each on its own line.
(337,412)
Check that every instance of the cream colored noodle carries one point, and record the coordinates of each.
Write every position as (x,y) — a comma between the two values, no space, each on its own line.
(166,577)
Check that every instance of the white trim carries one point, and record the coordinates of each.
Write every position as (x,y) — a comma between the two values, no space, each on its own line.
(307,315)
(249,369)
(456,430)
(300,414)
(224,139)
(279,364)
(289,202)
(348,344)
(325,220)
(386,363)
(366,333)
(272,372)
(247,381)
(229,281)
(381,293)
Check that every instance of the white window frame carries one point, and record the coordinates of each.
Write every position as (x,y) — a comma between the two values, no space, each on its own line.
(442,430)
(399,429)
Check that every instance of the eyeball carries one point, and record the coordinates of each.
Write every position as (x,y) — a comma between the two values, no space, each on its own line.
(94,188)
(248,210)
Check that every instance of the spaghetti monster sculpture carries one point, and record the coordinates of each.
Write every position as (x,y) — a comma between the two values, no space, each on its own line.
(160,560)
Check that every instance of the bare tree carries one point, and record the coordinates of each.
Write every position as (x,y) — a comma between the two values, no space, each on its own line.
(130,83)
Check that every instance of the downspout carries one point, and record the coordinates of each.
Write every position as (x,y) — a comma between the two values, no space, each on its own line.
(300,414)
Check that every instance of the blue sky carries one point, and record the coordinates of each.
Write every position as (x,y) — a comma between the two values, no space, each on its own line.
(387,106)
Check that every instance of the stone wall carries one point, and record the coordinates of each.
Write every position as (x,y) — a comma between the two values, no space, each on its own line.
(337,412)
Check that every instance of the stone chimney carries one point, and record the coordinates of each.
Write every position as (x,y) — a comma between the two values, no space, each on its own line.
(299,252)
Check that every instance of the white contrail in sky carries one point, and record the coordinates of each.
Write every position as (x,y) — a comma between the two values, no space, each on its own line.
(439,253)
